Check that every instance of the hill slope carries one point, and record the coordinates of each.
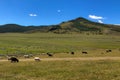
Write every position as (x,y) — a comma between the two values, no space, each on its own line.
(73,26)
(83,25)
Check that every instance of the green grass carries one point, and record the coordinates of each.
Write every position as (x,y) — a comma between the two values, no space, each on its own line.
(61,70)
(37,43)
(11,43)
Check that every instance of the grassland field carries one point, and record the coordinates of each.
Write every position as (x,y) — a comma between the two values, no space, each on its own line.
(60,44)
(19,43)
(61,70)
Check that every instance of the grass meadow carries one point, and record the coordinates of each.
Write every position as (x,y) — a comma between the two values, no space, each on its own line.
(60,44)
(61,70)
(19,43)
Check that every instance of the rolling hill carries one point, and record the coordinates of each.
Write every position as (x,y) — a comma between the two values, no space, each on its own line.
(77,25)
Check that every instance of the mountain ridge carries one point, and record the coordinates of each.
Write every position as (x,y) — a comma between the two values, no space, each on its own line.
(77,25)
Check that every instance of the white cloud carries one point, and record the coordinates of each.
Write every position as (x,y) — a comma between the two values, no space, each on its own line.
(33,15)
(98,18)
(100,21)
(58,11)
(95,17)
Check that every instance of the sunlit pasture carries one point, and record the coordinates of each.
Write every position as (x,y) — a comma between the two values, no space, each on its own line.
(21,43)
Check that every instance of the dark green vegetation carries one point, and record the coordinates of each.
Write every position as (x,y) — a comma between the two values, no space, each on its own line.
(36,43)
(78,25)
(60,70)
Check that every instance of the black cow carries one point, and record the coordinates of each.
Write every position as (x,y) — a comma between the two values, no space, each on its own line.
(49,54)
(72,53)
(108,51)
(13,59)
(84,52)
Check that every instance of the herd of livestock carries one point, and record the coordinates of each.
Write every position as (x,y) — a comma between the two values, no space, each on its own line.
(15,59)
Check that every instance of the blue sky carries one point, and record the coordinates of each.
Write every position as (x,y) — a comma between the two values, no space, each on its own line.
(48,12)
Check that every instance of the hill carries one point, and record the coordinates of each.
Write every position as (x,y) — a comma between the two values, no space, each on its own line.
(77,25)
(83,25)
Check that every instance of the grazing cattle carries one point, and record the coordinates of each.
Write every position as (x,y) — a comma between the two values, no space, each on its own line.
(84,52)
(26,56)
(108,51)
(37,59)
(72,53)
(13,59)
(49,54)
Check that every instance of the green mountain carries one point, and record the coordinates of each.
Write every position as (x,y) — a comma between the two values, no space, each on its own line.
(83,25)
(78,25)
